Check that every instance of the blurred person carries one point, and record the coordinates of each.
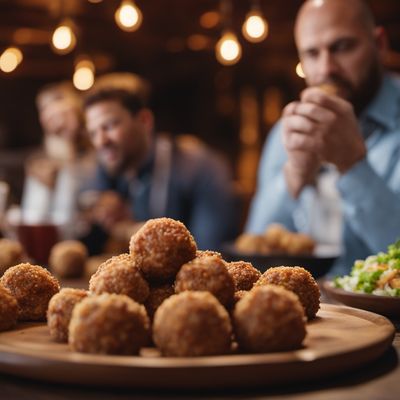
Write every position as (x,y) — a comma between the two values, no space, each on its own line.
(331,165)
(155,174)
(56,172)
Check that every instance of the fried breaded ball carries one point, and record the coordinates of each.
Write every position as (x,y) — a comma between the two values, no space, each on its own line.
(297,243)
(60,311)
(33,287)
(244,274)
(11,253)
(251,243)
(157,295)
(108,324)
(192,324)
(207,253)
(8,309)
(207,274)
(67,259)
(120,275)
(269,318)
(239,294)
(299,281)
(161,247)
(329,88)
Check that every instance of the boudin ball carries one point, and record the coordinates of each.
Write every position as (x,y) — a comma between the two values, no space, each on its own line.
(120,275)
(33,287)
(60,311)
(8,309)
(11,253)
(160,247)
(192,324)
(67,259)
(299,281)
(158,293)
(207,274)
(108,324)
(244,274)
(269,318)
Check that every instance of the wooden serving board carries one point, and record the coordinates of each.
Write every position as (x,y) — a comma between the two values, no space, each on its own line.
(339,339)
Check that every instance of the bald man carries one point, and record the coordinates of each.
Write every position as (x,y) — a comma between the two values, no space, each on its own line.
(331,165)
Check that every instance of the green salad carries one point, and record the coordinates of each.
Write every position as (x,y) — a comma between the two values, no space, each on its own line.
(378,274)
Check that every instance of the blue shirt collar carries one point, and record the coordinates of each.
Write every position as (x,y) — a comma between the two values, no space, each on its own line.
(383,109)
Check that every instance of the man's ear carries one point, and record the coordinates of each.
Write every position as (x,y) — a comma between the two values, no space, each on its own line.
(146,117)
(382,42)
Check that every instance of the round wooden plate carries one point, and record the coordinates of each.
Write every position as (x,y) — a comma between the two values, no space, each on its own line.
(385,305)
(339,339)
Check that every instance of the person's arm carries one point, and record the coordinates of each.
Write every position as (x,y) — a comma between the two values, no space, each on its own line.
(371,205)
(272,201)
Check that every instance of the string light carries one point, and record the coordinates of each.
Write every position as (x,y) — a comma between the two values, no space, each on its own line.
(63,39)
(83,78)
(299,71)
(255,27)
(10,59)
(128,16)
(228,49)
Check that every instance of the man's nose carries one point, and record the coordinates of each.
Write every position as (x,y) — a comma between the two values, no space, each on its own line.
(327,65)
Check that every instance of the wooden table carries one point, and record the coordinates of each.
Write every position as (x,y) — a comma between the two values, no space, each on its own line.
(377,381)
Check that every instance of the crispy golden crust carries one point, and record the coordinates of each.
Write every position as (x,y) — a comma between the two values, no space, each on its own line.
(244,274)
(207,253)
(207,274)
(161,247)
(11,253)
(156,297)
(120,275)
(67,259)
(299,281)
(239,294)
(192,324)
(33,287)
(8,309)
(269,318)
(60,311)
(108,324)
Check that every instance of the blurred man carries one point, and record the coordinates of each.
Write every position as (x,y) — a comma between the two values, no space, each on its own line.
(157,175)
(56,172)
(331,166)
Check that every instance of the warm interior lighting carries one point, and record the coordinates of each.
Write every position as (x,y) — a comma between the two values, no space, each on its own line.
(197,42)
(210,19)
(10,59)
(228,49)
(95,1)
(128,16)
(255,27)
(299,71)
(63,39)
(83,78)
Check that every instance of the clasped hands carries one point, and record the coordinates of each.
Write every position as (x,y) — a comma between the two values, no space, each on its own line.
(320,128)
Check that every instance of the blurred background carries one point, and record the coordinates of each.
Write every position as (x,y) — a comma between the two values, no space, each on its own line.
(227,95)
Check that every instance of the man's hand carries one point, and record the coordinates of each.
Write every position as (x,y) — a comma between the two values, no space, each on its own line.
(326,125)
(302,166)
(321,128)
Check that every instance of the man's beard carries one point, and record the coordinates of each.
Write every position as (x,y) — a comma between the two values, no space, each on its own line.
(359,97)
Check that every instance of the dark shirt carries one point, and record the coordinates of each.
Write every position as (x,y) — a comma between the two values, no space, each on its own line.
(182,179)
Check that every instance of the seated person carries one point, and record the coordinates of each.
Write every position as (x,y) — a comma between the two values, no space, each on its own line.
(56,172)
(331,166)
(157,174)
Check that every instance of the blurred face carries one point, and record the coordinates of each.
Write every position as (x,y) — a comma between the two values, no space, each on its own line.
(119,137)
(337,47)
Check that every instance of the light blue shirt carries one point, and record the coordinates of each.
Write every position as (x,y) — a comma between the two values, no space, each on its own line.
(369,192)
